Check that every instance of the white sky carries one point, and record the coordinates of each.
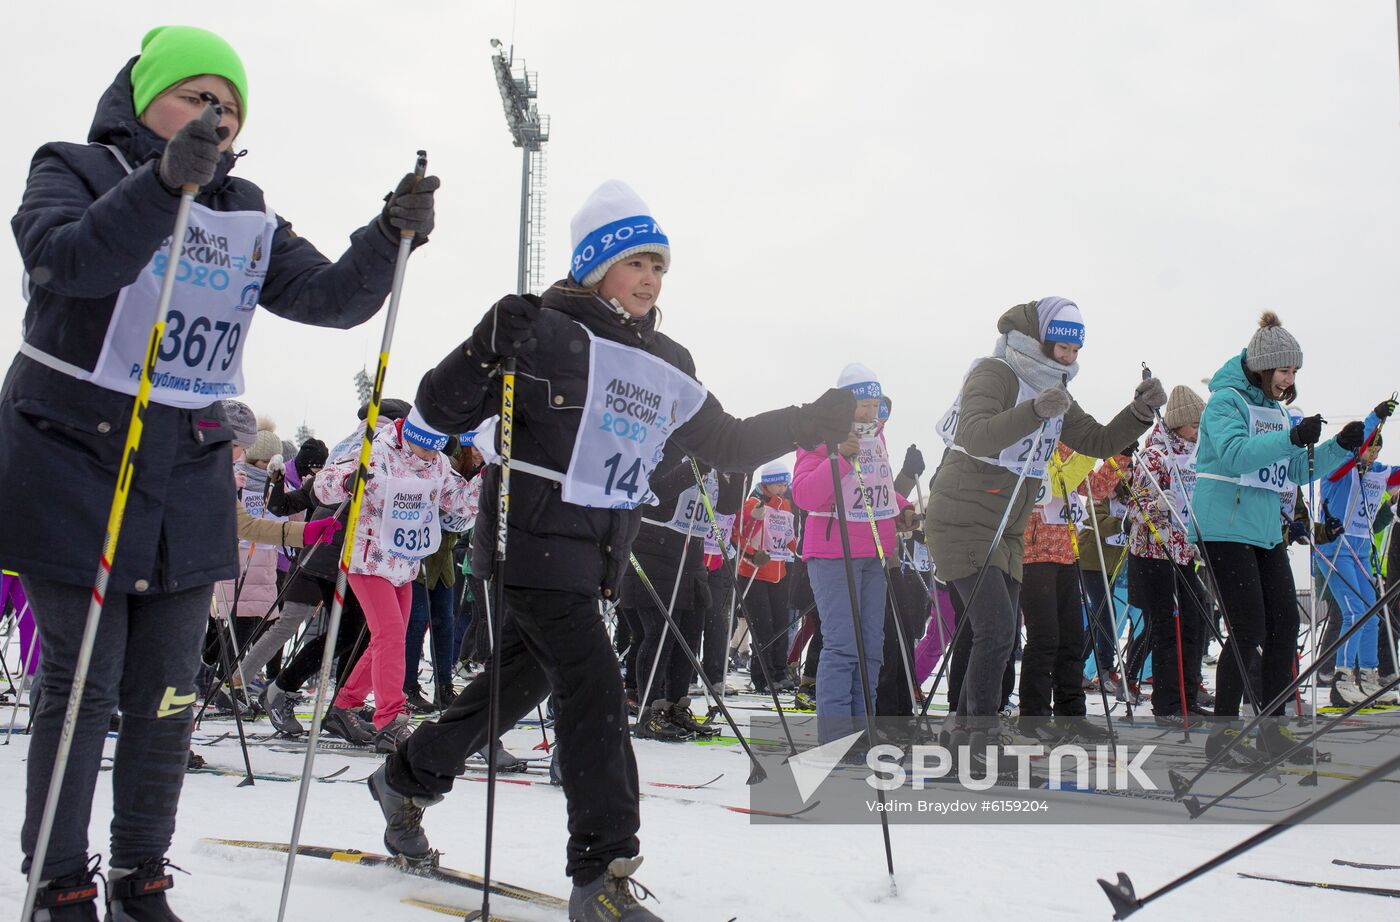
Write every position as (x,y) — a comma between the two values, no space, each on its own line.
(869,182)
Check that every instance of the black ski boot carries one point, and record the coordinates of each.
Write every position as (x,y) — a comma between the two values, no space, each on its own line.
(506,761)
(1243,755)
(71,898)
(654,723)
(138,894)
(610,897)
(345,724)
(680,715)
(404,835)
(280,710)
(414,701)
(1275,739)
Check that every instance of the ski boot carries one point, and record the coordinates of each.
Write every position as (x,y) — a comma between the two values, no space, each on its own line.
(71,898)
(1203,696)
(680,715)
(446,694)
(403,836)
(1112,683)
(610,898)
(654,723)
(1345,692)
(1243,755)
(393,733)
(345,724)
(1275,739)
(194,761)
(281,711)
(1368,680)
(138,894)
(804,698)
(506,761)
(415,703)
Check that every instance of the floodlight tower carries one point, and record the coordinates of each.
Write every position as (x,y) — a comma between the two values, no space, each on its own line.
(530,131)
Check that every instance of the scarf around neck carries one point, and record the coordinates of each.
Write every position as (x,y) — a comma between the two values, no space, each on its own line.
(1023,354)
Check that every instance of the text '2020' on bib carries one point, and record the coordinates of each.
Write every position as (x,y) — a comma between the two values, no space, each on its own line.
(635,401)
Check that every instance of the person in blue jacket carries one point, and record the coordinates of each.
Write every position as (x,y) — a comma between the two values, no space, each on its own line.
(1249,460)
(1351,497)
(92,230)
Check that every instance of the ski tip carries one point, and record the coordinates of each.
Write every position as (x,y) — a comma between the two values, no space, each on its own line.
(1121,895)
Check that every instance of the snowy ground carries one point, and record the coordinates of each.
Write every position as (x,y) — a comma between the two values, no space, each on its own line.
(706,863)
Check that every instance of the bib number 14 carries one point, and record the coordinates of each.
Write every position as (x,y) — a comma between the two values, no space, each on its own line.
(627,481)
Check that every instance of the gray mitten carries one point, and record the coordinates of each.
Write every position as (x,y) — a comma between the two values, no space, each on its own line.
(1149,396)
(1052,402)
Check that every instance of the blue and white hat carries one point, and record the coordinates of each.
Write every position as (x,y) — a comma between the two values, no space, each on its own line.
(613,224)
(1060,321)
(774,472)
(418,432)
(860,380)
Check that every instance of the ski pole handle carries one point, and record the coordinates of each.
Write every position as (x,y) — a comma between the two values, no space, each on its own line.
(420,169)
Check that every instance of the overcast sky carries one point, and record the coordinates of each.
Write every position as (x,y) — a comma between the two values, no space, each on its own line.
(870,182)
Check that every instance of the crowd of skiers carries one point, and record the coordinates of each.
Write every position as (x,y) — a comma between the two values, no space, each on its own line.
(567,516)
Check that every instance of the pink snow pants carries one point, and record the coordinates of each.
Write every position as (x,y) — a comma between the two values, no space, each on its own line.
(380,669)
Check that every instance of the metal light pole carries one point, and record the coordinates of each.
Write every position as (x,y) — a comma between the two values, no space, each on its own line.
(530,131)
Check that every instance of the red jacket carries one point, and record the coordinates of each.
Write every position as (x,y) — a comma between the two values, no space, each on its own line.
(752,539)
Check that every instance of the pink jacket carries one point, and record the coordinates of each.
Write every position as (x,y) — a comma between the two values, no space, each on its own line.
(390,458)
(812,490)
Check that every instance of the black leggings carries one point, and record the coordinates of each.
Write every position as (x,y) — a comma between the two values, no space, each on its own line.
(1256,591)
(349,647)
(1166,589)
(1051,661)
(766,604)
(650,633)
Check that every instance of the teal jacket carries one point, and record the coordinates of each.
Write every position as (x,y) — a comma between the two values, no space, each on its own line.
(1227,510)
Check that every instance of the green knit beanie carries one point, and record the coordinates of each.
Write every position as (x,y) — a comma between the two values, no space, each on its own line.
(170,54)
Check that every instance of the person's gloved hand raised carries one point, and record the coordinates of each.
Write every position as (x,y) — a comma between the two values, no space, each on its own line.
(409,208)
(913,462)
(1307,432)
(1052,402)
(318,530)
(191,156)
(1148,397)
(1352,436)
(508,328)
(827,420)
(1385,408)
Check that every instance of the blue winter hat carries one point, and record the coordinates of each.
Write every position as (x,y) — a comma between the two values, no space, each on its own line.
(418,432)
(466,437)
(775,472)
(1060,321)
(613,224)
(859,380)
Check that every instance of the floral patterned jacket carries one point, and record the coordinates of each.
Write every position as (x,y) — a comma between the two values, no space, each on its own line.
(1164,452)
(390,458)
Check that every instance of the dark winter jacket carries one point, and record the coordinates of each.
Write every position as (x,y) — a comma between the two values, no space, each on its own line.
(659,549)
(86,229)
(968,496)
(553,544)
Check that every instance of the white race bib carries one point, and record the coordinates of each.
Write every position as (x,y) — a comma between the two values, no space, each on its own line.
(408,524)
(218,281)
(691,516)
(256,506)
(1272,476)
(635,401)
(1367,505)
(777,532)
(921,560)
(879,485)
(1031,453)
(726,527)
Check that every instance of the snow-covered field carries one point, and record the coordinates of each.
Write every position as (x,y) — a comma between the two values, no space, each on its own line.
(706,863)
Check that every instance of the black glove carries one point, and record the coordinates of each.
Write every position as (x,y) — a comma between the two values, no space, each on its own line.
(1331,526)
(827,420)
(1307,432)
(1297,532)
(192,156)
(409,208)
(1352,436)
(1385,408)
(760,558)
(913,462)
(507,329)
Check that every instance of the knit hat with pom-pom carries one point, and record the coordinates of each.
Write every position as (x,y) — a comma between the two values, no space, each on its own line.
(267,442)
(1272,346)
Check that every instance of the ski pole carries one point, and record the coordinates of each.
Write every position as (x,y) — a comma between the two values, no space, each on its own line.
(1126,902)
(905,653)
(211,115)
(1079,571)
(493,709)
(675,594)
(1109,603)
(982,571)
(757,773)
(1196,808)
(733,568)
(27,662)
(1182,786)
(837,500)
(228,650)
(352,522)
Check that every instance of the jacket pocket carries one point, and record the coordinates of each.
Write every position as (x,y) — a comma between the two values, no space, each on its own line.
(92,428)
